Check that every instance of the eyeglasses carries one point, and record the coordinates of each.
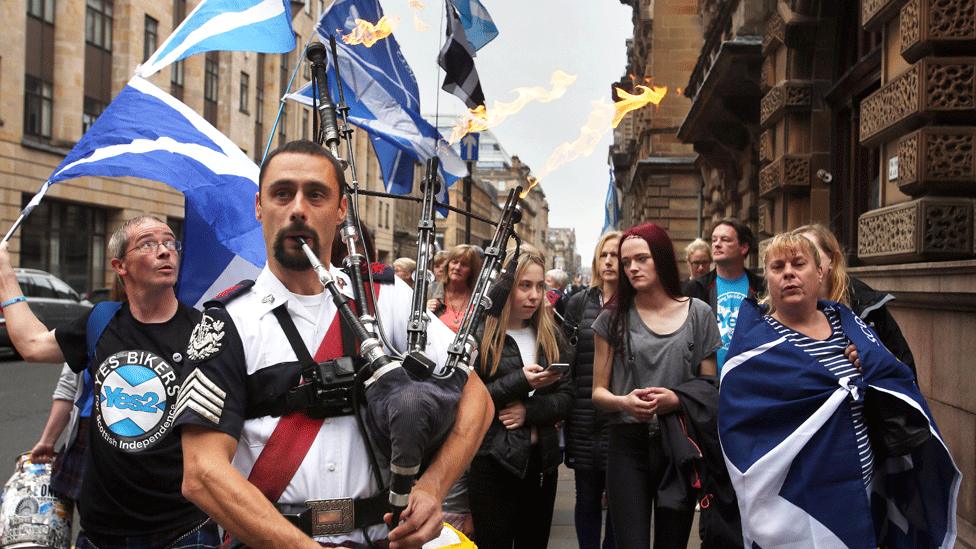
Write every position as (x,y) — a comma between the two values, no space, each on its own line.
(150,246)
(700,263)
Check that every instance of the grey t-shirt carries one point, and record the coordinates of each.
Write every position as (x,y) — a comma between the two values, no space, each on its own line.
(659,360)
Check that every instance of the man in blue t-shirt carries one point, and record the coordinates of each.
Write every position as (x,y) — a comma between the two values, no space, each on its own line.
(725,286)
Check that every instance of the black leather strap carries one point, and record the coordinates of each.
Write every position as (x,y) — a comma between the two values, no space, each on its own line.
(294,338)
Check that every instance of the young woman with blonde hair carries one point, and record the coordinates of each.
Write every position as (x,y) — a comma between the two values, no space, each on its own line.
(512,479)
(586,428)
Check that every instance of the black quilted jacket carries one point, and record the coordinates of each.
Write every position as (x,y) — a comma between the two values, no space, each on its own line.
(585,431)
(546,407)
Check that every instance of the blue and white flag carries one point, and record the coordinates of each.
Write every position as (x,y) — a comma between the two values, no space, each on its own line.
(478,26)
(229,25)
(147,133)
(383,99)
(786,424)
(611,206)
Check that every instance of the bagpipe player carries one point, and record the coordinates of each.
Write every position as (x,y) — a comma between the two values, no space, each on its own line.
(269,472)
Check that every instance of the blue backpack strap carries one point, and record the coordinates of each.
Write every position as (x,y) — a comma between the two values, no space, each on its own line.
(98,320)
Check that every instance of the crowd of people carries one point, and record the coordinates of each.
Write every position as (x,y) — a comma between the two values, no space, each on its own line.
(758,401)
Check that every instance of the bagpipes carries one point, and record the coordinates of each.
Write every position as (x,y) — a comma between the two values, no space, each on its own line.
(410,409)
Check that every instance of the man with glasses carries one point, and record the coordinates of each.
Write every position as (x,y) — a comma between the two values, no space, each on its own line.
(132,353)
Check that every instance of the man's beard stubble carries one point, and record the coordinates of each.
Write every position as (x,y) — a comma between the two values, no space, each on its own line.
(296,261)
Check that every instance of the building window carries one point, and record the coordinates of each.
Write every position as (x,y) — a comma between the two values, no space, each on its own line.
(211,80)
(98,24)
(305,130)
(245,90)
(41,9)
(321,9)
(282,86)
(176,75)
(259,110)
(67,240)
(37,107)
(150,37)
(92,109)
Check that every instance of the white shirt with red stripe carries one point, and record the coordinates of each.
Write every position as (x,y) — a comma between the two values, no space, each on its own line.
(337,464)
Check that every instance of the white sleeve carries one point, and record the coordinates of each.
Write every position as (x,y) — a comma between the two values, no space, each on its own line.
(67,385)
(394,305)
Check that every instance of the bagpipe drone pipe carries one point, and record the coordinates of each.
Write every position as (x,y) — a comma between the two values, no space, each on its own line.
(409,408)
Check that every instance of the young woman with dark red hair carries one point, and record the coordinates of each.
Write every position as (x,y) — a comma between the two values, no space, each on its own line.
(649,341)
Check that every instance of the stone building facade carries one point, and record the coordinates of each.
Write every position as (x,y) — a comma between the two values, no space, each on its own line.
(562,243)
(63,61)
(658,176)
(859,115)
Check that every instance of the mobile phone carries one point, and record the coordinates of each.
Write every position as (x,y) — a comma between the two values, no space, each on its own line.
(561,367)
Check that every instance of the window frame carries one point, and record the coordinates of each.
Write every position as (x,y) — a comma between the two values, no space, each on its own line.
(150,39)
(42,100)
(99,12)
(244,90)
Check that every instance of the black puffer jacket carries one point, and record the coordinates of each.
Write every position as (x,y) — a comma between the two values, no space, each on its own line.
(869,304)
(586,429)
(547,406)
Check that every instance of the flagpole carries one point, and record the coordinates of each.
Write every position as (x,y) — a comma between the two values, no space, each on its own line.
(282,102)
(27,211)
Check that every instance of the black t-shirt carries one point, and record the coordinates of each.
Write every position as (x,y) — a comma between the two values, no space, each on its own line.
(132,485)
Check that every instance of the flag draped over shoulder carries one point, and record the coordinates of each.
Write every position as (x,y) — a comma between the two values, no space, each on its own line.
(478,25)
(457,60)
(231,25)
(786,430)
(147,133)
(383,98)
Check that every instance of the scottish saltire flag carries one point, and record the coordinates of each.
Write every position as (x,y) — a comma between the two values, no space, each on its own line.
(785,424)
(611,206)
(231,25)
(147,133)
(383,99)
(478,26)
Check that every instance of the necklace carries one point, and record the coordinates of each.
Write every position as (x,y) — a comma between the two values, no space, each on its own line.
(456,312)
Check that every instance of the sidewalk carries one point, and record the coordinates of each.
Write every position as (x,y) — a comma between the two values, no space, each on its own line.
(563,533)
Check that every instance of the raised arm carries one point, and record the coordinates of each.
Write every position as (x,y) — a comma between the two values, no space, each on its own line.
(28,334)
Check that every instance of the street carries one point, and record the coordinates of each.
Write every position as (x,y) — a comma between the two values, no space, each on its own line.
(25,400)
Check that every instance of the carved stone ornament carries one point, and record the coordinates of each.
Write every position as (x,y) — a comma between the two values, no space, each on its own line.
(938,159)
(925,229)
(774,35)
(766,146)
(789,95)
(933,88)
(927,25)
(874,13)
(787,172)
(764,223)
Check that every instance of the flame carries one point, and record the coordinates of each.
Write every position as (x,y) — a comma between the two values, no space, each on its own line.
(597,125)
(480,119)
(418,23)
(629,102)
(367,34)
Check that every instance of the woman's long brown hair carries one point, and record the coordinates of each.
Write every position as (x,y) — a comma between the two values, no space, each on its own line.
(493,339)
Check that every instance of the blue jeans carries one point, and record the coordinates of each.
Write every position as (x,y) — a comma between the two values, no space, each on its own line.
(202,537)
(589,510)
